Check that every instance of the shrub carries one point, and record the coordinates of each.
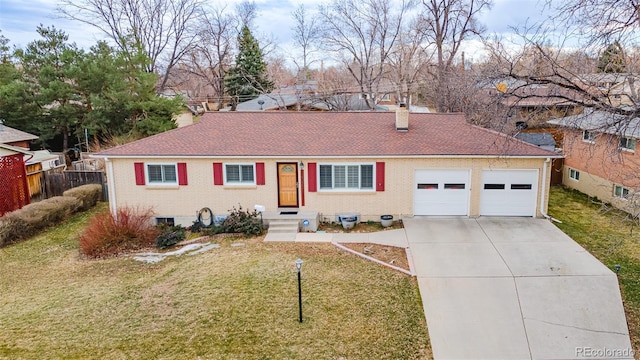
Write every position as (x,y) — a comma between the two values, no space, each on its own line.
(31,219)
(131,229)
(170,236)
(12,229)
(89,195)
(242,221)
(196,227)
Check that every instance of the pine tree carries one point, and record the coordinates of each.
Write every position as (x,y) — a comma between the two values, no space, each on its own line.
(248,78)
(612,59)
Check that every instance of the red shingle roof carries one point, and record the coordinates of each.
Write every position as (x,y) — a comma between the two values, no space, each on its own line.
(326,134)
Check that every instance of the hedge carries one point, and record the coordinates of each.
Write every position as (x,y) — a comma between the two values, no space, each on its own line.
(89,195)
(33,218)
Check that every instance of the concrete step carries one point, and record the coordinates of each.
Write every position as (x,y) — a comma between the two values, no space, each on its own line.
(283,226)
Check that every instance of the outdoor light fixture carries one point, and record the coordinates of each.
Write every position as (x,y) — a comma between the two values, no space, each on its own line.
(301,165)
(617,266)
(299,267)
(260,102)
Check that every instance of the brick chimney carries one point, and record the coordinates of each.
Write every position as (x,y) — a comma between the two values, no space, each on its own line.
(402,118)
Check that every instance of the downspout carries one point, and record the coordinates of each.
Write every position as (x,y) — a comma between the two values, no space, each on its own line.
(543,191)
(111,188)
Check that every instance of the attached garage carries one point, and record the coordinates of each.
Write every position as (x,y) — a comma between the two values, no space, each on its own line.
(441,192)
(509,192)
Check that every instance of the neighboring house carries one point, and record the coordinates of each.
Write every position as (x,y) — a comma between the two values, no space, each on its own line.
(13,178)
(307,102)
(601,158)
(617,89)
(330,163)
(15,137)
(528,104)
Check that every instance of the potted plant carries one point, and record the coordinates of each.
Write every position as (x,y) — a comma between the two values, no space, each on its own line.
(348,222)
(386,220)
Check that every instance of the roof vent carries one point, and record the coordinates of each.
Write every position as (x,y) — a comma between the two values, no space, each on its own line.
(402,118)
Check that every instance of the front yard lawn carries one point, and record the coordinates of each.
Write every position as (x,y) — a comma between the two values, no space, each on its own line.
(609,237)
(235,302)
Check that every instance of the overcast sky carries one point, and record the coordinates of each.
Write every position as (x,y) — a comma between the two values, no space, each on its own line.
(19,19)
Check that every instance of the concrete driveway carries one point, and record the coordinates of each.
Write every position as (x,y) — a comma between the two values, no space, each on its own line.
(514,288)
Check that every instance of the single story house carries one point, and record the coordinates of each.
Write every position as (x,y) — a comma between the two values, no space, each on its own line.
(328,164)
(601,158)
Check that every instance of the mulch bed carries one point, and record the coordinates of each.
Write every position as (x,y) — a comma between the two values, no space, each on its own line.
(389,254)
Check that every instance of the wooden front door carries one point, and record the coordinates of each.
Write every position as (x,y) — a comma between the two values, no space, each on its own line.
(287,185)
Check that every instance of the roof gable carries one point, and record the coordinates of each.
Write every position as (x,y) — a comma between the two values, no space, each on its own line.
(326,134)
(10,135)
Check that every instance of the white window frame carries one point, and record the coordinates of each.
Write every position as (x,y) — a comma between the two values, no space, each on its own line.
(574,174)
(625,192)
(588,136)
(346,188)
(163,182)
(626,140)
(239,183)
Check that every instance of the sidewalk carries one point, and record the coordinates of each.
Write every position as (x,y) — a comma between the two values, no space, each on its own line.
(395,237)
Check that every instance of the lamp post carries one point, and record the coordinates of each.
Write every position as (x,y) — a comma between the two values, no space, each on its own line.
(299,267)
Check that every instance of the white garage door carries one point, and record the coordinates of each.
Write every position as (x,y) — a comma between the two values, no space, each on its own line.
(441,192)
(509,192)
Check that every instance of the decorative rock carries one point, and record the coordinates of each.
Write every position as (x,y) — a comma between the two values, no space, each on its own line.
(368,250)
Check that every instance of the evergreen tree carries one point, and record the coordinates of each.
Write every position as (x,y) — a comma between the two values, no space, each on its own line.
(59,90)
(248,78)
(48,65)
(17,103)
(612,59)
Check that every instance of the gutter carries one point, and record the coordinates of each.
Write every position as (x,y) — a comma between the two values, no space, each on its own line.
(544,190)
(111,187)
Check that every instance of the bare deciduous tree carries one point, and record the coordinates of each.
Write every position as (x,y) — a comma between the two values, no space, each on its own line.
(447,24)
(408,61)
(362,34)
(306,34)
(163,28)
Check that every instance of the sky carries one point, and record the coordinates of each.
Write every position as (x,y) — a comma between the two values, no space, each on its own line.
(19,19)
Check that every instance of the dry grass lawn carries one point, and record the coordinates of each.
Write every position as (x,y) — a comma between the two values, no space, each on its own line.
(228,303)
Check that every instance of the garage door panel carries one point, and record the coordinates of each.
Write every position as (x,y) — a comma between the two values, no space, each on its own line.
(441,192)
(509,192)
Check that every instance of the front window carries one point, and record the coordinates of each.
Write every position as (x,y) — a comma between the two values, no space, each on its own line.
(240,174)
(574,174)
(162,174)
(620,192)
(627,143)
(588,136)
(346,177)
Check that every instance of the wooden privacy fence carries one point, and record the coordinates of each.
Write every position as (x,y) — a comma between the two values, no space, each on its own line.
(54,183)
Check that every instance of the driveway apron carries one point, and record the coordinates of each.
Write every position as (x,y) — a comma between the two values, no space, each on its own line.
(514,288)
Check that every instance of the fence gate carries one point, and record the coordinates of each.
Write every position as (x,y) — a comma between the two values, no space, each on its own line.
(14,188)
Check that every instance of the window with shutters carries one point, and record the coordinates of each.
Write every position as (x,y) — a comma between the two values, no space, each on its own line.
(165,174)
(346,177)
(239,174)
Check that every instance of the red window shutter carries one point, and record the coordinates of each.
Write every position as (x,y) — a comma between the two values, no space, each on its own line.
(217,174)
(379,176)
(182,174)
(139,169)
(260,174)
(313,186)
